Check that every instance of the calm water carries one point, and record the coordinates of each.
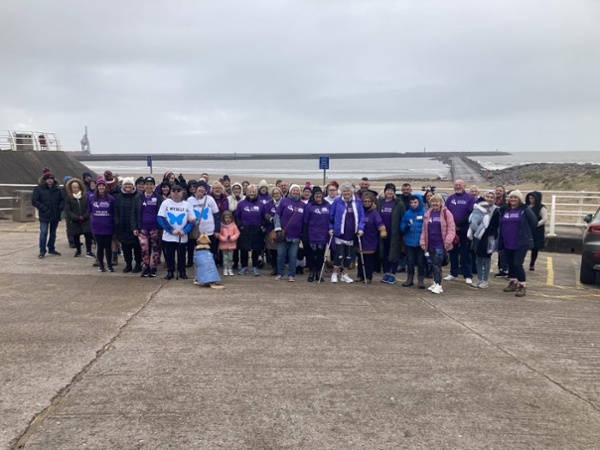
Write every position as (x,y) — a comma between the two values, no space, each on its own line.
(300,169)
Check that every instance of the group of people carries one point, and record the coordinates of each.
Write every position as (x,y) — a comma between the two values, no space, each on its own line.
(243,226)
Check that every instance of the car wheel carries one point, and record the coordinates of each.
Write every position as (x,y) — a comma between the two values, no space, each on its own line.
(587,275)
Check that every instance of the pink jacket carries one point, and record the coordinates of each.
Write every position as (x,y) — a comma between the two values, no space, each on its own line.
(228,231)
(448,227)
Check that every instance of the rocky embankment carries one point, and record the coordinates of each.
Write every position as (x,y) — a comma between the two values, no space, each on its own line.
(549,176)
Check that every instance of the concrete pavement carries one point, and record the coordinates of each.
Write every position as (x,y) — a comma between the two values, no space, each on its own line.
(113,361)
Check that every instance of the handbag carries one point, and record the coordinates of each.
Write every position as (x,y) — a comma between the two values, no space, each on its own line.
(275,238)
(456,239)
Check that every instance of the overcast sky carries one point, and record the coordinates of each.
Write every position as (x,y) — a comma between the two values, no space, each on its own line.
(304,75)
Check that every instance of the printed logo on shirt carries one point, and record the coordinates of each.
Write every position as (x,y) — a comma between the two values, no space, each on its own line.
(251,208)
(176,219)
(386,210)
(433,219)
(204,214)
(458,202)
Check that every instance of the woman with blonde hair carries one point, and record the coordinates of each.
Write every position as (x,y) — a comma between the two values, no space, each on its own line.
(437,235)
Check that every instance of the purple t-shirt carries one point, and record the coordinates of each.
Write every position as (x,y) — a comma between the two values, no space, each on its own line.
(292,223)
(510,228)
(434,228)
(250,214)
(149,212)
(370,239)
(461,206)
(349,223)
(386,215)
(317,219)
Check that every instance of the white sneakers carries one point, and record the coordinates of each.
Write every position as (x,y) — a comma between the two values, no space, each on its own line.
(344,277)
(469,280)
(225,272)
(434,284)
(437,289)
(347,279)
(450,278)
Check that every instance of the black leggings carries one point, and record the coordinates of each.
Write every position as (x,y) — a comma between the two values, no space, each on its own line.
(103,242)
(88,242)
(137,252)
(534,255)
(315,256)
(515,259)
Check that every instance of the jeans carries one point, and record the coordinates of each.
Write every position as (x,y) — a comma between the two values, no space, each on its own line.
(46,227)
(415,255)
(287,248)
(484,263)
(462,251)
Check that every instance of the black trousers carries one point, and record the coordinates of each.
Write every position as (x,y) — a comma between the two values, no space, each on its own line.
(103,243)
(137,253)
(172,248)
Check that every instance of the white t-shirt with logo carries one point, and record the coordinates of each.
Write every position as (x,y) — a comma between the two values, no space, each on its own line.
(207,225)
(177,215)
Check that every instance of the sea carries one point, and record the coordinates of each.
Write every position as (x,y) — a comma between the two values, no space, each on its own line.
(339,169)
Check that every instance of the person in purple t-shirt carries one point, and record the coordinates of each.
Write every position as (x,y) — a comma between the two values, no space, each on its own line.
(289,216)
(516,237)
(145,226)
(373,230)
(315,232)
(250,217)
(461,204)
(436,239)
(101,207)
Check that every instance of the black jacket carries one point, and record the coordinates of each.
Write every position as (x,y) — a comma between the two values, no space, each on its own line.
(123,208)
(49,200)
(394,235)
(76,208)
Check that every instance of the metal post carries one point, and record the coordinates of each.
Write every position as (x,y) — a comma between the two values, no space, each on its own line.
(324,177)
(553,217)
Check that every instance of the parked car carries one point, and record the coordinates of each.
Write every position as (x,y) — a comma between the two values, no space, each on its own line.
(590,256)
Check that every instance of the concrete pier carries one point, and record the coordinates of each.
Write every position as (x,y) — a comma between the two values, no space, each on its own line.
(113,361)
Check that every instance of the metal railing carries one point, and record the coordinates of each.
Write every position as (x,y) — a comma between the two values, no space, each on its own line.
(29,140)
(569,208)
(8,200)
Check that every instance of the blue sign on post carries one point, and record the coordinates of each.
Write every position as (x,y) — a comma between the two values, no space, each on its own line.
(149,162)
(324,162)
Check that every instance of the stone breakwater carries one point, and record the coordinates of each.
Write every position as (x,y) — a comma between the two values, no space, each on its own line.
(548,174)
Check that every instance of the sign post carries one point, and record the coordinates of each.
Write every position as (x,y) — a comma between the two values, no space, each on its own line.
(149,162)
(324,164)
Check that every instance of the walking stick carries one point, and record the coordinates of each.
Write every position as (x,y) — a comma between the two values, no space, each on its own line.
(178,257)
(362,259)
(324,258)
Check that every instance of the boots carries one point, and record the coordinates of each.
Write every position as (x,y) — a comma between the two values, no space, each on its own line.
(127,268)
(137,268)
(115,259)
(409,281)
(520,291)
(512,286)
(169,276)
(421,282)
(311,276)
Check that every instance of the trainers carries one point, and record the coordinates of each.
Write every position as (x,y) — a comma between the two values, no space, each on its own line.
(101,269)
(469,280)
(291,279)
(385,279)
(41,255)
(243,271)
(110,269)
(391,279)
(347,279)
(153,272)
(451,278)
(532,268)
(334,277)
(483,285)
(501,274)
(475,284)
(432,286)
(90,255)
(230,272)
(255,272)
(225,272)
(437,289)
(146,273)
(77,254)
(54,252)
(278,278)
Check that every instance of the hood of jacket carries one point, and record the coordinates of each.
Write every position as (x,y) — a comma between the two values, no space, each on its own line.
(42,182)
(421,202)
(69,186)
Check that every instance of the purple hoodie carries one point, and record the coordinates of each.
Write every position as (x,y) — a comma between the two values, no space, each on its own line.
(102,215)
(285,211)
(316,217)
